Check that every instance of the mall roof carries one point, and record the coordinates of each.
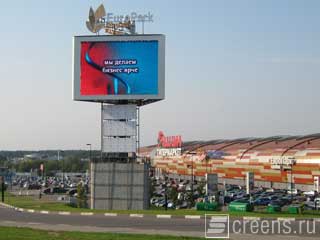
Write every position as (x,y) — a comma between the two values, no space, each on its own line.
(284,142)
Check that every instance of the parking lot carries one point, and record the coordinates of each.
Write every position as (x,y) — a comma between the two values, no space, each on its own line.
(181,193)
(48,186)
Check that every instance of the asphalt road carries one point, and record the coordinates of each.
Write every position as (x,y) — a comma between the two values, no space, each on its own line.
(145,224)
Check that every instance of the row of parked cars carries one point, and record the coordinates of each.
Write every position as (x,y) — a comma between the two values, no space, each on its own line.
(183,188)
(51,185)
(259,197)
(274,197)
(31,183)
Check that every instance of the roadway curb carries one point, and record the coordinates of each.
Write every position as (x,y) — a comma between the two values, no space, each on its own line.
(6,205)
(160,216)
(136,215)
(285,219)
(86,213)
(132,215)
(111,214)
(251,218)
(163,216)
(192,217)
(64,213)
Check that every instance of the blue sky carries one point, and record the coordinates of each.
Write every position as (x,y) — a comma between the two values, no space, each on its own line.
(233,69)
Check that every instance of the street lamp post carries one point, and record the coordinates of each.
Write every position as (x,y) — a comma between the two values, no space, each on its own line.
(192,178)
(2,188)
(90,155)
(165,191)
(291,181)
(291,163)
(89,144)
(207,159)
(62,158)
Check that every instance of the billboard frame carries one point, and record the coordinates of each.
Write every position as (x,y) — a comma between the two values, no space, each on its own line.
(118,99)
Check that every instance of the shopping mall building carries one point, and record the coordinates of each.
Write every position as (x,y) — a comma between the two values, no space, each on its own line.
(275,161)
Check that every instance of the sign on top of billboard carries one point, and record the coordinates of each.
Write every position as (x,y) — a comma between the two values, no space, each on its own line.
(115,69)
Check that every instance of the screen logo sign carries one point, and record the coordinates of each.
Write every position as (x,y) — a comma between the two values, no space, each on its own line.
(282,162)
(169,141)
(168,152)
(94,23)
(216,226)
(113,23)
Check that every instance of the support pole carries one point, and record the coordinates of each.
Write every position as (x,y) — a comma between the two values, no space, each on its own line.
(138,130)
(192,178)
(291,182)
(2,188)
(101,131)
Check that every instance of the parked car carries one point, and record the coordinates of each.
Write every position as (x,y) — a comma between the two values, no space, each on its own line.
(311,205)
(71,192)
(183,205)
(293,191)
(286,199)
(47,191)
(160,203)
(299,199)
(262,201)
(317,201)
(309,193)
(278,202)
(227,199)
(270,190)
(242,200)
(273,197)
(170,205)
(34,186)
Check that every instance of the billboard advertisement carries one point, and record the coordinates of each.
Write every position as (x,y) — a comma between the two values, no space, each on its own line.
(116,68)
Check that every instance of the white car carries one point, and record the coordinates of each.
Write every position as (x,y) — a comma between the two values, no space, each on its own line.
(312,193)
(293,191)
(170,205)
(312,205)
(270,190)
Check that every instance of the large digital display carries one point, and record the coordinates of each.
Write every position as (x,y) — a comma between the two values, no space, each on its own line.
(112,68)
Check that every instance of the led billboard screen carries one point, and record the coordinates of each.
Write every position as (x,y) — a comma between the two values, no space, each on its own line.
(117,68)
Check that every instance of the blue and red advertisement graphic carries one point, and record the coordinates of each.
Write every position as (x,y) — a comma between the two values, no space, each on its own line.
(119,68)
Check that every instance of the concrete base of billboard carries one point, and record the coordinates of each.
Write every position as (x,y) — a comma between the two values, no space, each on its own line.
(119,186)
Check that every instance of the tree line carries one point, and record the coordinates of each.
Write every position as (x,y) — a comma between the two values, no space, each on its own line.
(70,161)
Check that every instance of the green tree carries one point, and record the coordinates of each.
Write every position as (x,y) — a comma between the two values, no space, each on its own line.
(81,196)
(201,189)
(173,195)
(190,199)
(152,187)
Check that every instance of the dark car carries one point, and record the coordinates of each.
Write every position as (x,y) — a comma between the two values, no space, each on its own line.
(71,192)
(55,190)
(262,201)
(34,186)
(47,191)
(286,199)
(227,199)
(278,202)
(242,200)
(273,197)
